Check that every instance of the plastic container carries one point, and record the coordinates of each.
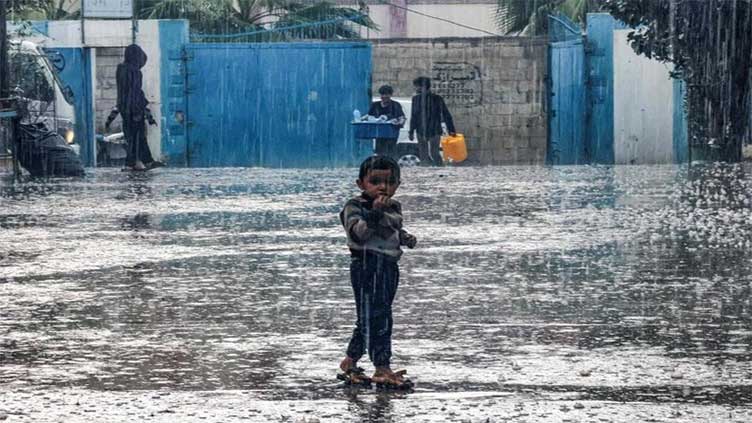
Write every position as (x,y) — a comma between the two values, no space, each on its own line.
(370,130)
(454,148)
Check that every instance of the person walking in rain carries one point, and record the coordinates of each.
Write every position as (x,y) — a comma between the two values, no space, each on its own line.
(393,111)
(132,106)
(427,114)
(373,223)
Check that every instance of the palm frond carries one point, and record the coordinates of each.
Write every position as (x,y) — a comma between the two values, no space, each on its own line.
(530,17)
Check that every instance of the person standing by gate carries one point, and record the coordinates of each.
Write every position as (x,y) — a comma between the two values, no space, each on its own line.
(427,114)
(132,106)
(393,111)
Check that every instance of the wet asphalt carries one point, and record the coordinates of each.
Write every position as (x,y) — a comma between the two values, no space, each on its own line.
(581,294)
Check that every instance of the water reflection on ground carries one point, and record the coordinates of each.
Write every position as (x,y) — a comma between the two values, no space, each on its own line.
(538,294)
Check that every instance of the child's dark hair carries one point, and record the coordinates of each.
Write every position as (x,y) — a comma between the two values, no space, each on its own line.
(422,81)
(386,90)
(377,162)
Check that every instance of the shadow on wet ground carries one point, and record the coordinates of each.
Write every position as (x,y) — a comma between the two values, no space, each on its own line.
(535,294)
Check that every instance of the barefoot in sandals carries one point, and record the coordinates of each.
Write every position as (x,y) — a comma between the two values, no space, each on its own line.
(387,379)
(351,374)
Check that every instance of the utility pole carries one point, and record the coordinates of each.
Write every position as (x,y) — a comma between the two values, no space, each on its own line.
(4,76)
(7,106)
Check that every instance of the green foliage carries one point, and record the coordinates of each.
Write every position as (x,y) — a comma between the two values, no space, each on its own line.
(530,17)
(42,10)
(223,16)
(238,16)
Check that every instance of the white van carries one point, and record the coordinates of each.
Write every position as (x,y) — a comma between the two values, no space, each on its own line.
(42,95)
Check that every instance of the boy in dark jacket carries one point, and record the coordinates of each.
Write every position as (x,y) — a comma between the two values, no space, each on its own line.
(393,111)
(428,111)
(373,223)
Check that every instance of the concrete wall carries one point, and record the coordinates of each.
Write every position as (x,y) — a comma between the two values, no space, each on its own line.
(643,107)
(106,89)
(495,89)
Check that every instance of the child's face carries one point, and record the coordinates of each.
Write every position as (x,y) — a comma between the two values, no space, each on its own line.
(379,182)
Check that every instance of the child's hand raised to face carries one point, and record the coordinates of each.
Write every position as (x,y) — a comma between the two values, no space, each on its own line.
(382,201)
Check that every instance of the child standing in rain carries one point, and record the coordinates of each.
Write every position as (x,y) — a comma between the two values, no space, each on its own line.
(373,223)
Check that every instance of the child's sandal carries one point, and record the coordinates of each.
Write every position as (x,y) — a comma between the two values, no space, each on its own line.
(395,380)
(355,376)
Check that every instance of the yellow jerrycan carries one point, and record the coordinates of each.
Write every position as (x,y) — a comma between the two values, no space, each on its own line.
(454,148)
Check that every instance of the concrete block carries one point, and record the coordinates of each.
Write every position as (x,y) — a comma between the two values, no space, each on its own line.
(513,51)
(475,156)
(110,51)
(108,95)
(515,96)
(467,122)
(537,127)
(508,72)
(511,140)
(539,156)
(502,156)
(496,121)
(106,71)
(499,109)
(523,110)
(472,142)
(537,143)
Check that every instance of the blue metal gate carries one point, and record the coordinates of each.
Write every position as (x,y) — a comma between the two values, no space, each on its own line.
(275,104)
(566,136)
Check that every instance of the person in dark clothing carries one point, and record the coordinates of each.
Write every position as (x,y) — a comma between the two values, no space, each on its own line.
(428,112)
(132,106)
(373,224)
(393,111)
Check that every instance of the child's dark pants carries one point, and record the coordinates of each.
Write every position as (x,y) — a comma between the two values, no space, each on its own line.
(374,281)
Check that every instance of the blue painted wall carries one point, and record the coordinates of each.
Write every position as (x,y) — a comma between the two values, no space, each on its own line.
(276,104)
(77,73)
(600,82)
(173,35)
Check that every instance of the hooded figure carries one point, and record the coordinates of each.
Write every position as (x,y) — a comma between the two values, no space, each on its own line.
(132,106)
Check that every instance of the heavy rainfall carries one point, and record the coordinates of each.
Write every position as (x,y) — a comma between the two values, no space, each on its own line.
(555,196)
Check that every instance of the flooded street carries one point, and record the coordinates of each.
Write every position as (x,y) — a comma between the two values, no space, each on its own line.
(582,294)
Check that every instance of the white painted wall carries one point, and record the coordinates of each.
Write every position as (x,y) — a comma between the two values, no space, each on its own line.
(118,33)
(474,15)
(643,107)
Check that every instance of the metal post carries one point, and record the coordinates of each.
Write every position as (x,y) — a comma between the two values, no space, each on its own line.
(134,22)
(5,103)
(83,20)
(4,76)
